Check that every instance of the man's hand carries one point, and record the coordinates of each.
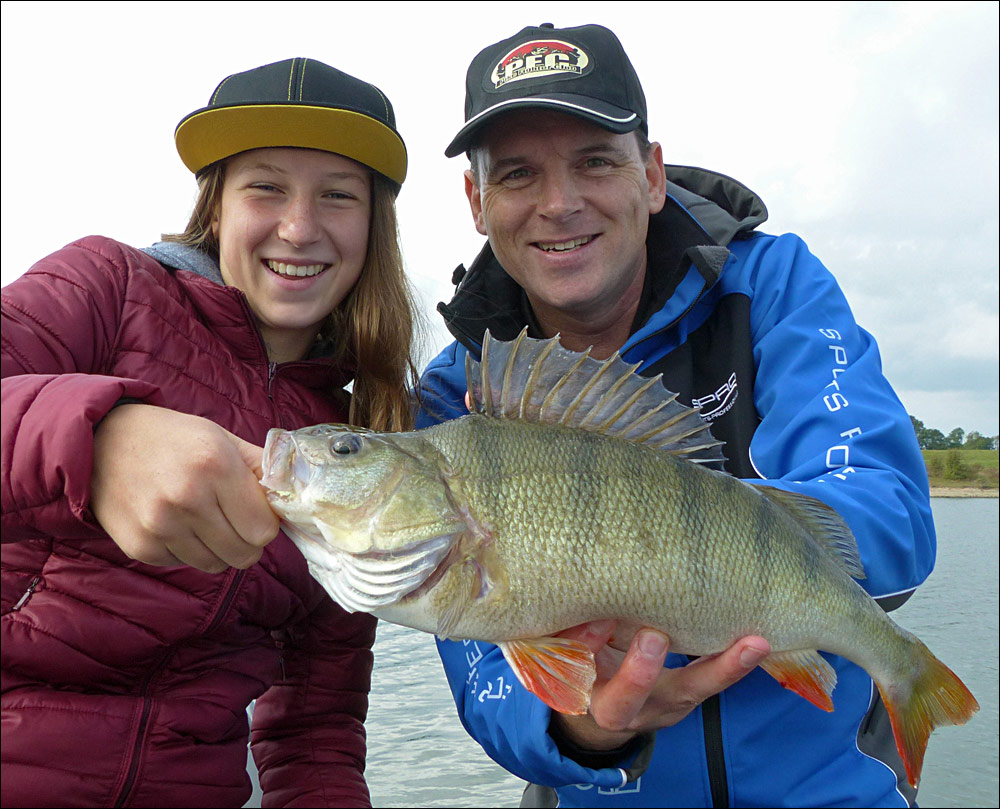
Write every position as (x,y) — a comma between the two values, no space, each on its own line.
(175,489)
(633,693)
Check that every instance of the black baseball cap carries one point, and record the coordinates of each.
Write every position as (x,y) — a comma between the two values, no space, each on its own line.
(581,71)
(297,102)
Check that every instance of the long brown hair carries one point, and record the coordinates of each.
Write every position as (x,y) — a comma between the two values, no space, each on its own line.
(372,328)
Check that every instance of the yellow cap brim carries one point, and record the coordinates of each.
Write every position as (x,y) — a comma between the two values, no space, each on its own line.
(214,134)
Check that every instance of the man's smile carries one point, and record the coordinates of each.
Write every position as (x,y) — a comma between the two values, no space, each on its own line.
(561,247)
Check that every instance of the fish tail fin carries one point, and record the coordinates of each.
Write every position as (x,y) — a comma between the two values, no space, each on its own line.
(932,696)
(560,672)
(806,673)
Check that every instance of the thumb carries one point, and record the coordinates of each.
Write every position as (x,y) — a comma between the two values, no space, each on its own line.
(252,455)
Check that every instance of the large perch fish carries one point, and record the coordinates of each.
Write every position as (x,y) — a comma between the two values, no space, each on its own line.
(578,491)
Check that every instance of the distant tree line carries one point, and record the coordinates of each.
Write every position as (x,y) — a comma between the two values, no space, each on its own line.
(929,438)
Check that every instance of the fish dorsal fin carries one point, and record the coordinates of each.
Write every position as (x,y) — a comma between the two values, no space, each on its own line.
(825,525)
(542,382)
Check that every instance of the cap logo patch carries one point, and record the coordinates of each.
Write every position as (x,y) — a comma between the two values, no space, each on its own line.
(540,58)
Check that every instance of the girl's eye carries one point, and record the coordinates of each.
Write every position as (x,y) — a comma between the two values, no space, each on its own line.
(345,444)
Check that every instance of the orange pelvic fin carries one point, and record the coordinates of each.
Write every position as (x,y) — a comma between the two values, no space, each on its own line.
(558,671)
(806,673)
(933,696)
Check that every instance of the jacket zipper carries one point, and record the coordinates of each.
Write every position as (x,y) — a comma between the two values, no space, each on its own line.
(147,702)
(147,707)
(27,594)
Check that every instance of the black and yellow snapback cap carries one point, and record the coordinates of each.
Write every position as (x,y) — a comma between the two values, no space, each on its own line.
(297,102)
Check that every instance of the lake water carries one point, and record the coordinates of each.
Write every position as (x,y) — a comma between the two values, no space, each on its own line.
(420,756)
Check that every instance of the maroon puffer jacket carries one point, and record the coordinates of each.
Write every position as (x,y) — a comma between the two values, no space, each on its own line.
(126,684)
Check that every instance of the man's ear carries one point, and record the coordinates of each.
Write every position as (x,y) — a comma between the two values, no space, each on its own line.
(475,201)
(656,177)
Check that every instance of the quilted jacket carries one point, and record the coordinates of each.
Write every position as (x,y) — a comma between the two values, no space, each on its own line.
(126,684)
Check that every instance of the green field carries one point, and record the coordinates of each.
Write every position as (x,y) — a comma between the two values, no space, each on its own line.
(962,468)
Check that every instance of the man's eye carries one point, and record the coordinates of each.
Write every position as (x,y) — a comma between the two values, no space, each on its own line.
(596,162)
(517,174)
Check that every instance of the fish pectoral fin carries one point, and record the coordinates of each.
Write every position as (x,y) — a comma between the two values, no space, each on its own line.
(806,673)
(479,577)
(560,672)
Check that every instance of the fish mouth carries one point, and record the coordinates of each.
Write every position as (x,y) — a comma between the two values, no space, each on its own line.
(286,470)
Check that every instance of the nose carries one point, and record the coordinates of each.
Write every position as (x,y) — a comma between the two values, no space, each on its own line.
(558,195)
(299,223)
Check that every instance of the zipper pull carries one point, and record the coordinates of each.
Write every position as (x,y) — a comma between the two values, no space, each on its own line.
(27,594)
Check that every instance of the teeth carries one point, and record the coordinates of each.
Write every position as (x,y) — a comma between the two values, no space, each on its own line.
(299,271)
(560,246)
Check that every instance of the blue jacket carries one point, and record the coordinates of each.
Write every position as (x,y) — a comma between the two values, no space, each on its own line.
(755,330)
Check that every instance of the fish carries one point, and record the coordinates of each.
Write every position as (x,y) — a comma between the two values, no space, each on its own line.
(577,490)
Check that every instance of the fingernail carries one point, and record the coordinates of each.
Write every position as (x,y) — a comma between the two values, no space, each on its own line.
(652,644)
(601,627)
(751,656)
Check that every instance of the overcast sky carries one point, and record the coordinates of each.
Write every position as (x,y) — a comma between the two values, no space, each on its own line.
(869,129)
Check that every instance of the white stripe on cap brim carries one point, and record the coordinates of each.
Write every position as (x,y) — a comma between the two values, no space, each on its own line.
(459,142)
(553,102)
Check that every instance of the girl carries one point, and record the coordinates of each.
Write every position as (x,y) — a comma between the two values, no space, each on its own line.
(148,596)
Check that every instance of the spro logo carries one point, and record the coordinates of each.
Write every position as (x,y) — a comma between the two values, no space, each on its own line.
(720,402)
(539,59)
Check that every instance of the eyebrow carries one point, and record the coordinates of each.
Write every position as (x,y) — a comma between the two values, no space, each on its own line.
(595,148)
(329,175)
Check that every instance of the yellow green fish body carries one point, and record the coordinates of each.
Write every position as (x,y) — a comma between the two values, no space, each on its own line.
(560,501)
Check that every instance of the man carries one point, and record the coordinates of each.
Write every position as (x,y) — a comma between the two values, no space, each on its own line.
(592,238)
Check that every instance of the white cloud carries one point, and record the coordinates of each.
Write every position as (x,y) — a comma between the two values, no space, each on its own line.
(869,129)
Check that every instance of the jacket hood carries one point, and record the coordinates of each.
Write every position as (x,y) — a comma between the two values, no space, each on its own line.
(704,212)
(724,207)
(184,257)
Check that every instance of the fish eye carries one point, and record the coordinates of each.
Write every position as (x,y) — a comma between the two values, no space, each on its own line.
(345,444)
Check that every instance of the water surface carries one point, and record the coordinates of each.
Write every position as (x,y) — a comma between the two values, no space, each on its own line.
(419,755)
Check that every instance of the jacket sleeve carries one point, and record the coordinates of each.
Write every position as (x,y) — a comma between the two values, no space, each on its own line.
(509,722)
(831,425)
(307,735)
(60,320)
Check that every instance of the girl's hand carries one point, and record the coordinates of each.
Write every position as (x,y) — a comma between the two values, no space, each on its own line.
(175,489)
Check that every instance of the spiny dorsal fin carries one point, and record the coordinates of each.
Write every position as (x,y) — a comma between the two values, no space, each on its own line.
(542,382)
(825,525)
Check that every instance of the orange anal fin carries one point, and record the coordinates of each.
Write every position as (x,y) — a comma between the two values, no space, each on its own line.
(934,696)
(806,673)
(558,671)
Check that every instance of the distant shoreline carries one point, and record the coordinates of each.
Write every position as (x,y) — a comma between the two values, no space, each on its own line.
(967,492)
